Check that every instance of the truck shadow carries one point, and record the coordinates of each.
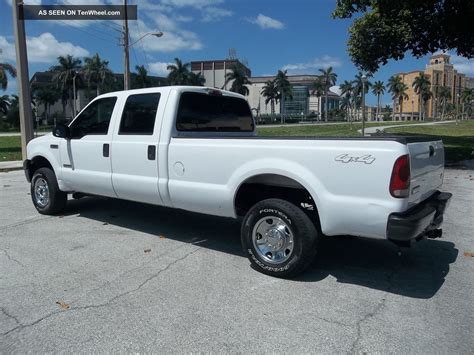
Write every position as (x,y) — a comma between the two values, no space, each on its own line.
(419,272)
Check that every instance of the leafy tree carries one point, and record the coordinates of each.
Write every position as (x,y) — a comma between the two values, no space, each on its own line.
(46,96)
(422,85)
(196,79)
(6,69)
(271,94)
(178,73)
(378,89)
(384,30)
(239,79)
(444,95)
(4,104)
(64,72)
(328,79)
(142,79)
(467,99)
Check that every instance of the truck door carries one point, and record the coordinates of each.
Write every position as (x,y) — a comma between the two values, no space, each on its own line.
(134,149)
(85,157)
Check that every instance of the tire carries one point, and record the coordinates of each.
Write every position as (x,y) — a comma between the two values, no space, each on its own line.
(45,193)
(279,238)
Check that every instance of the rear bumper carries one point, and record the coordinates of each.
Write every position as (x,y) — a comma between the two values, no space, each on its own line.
(419,220)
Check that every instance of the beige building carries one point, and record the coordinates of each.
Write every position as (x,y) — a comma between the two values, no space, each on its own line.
(215,71)
(440,72)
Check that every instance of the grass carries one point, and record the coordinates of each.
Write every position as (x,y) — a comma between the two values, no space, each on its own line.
(323,130)
(458,139)
(10,148)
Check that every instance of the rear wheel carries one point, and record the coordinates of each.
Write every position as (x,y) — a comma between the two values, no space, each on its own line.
(279,238)
(45,193)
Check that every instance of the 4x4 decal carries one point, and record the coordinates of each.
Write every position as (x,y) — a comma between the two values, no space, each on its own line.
(346,158)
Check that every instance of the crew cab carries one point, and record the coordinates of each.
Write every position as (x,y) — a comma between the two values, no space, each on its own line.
(196,149)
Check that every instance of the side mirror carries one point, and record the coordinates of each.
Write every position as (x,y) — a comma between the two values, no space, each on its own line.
(61,131)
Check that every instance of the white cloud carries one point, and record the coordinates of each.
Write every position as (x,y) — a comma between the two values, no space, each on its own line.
(266,22)
(26,2)
(43,49)
(463,65)
(211,13)
(314,65)
(192,3)
(159,68)
(173,39)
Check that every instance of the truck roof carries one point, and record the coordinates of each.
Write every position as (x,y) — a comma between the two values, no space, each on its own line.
(179,88)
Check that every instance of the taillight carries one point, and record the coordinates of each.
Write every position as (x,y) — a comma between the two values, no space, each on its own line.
(400,181)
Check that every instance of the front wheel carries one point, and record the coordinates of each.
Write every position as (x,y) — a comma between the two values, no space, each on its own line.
(279,238)
(45,193)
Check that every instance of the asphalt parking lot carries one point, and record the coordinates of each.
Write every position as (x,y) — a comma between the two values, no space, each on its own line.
(112,276)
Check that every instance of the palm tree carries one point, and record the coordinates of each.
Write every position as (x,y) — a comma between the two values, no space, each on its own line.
(4,104)
(142,76)
(378,89)
(96,71)
(359,83)
(394,86)
(347,93)
(271,94)
(178,73)
(328,79)
(5,69)
(444,95)
(284,88)
(196,79)
(239,79)
(421,85)
(64,72)
(46,96)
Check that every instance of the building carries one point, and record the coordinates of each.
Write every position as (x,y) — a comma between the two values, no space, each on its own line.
(304,102)
(215,71)
(440,72)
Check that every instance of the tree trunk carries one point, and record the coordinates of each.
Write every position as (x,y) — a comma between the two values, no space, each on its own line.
(444,108)
(393,110)
(326,106)
(462,112)
(377,118)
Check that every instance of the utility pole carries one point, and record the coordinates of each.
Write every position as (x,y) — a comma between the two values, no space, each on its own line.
(126,74)
(26,117)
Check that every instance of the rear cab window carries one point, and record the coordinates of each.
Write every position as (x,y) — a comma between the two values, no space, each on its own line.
(202,112)
(139,114)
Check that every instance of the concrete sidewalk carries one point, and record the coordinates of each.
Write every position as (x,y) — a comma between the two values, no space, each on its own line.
(11,165)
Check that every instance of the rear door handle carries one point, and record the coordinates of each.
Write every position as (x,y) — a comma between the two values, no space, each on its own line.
(151,152)
(106,150)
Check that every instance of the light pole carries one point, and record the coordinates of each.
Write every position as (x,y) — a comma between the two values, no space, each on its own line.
(457,108)
(364,80)
(26,119)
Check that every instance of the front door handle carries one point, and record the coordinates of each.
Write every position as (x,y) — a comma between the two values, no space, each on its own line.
(151,152)
(106,150)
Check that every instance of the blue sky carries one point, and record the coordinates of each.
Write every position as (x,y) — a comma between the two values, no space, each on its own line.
(299,36)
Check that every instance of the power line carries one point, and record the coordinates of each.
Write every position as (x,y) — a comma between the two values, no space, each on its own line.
(85,31)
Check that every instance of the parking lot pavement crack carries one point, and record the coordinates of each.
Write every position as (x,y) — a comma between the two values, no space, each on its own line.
(380,305)
(105,304)
(9,257)
(25,222)
(10,315)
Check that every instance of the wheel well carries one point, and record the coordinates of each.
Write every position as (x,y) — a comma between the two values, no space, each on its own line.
(262,187)
(37,163)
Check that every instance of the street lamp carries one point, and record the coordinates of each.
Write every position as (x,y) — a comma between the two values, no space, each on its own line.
(364,80)
(126,46)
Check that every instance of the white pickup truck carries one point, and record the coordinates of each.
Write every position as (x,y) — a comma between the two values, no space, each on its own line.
(196,149)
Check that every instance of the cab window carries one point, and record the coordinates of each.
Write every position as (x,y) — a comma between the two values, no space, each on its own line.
(95,119)
(139,114)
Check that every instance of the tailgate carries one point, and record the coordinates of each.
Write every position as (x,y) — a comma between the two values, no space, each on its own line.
(427,168)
